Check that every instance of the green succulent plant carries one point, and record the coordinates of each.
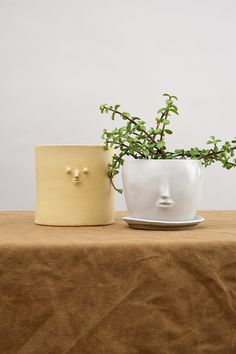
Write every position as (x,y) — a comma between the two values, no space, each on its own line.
(136,140)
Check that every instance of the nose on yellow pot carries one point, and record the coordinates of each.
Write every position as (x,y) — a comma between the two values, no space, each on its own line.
(72,185)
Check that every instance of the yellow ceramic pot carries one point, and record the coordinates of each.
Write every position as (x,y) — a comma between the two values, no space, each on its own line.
(72,186)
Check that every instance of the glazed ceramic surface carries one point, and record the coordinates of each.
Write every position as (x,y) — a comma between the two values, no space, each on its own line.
(162,225)
(167,190)
(72,186)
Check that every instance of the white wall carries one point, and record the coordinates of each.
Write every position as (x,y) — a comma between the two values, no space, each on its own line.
(59,60)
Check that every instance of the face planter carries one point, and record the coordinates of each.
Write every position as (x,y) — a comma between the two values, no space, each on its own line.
(76,173)
(72,186)
(168,190)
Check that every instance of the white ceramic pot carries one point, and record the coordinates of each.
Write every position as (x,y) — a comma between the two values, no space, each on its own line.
(167,190)
(72,185)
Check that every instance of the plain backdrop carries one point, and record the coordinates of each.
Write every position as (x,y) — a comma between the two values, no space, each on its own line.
(59,60)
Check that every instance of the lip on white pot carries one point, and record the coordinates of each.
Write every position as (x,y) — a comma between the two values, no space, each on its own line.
(168,190)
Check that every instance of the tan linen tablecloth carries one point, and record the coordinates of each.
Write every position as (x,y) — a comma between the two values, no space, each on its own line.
(115,290)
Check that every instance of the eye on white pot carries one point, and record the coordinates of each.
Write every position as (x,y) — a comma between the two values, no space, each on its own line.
(168,190)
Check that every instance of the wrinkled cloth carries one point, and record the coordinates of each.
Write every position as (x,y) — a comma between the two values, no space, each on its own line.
(116,290)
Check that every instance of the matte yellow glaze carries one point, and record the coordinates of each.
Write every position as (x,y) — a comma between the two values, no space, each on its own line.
(72,186)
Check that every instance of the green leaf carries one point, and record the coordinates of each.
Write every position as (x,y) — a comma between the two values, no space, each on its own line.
(119,190)
(165,121)
(174,110)
(168,131)
(161,110)
(104,108)
(117,106)
(126,114)
(160,144)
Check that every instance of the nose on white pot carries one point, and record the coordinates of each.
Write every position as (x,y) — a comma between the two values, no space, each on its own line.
(164,200)
(167,190)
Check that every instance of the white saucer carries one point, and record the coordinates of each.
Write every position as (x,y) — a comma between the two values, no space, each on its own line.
(161,225)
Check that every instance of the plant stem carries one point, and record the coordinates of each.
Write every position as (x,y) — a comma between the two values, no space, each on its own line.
(127,147)
(164,125)
(133,122)
(158,124)
(203,156)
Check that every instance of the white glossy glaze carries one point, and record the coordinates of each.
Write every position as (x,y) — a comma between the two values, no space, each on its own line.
(162,189)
